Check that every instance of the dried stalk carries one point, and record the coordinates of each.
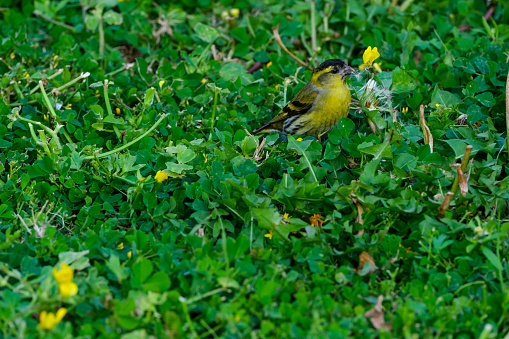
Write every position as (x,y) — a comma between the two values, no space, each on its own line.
(442,209)
(275,31)
(462,169)
(428,138)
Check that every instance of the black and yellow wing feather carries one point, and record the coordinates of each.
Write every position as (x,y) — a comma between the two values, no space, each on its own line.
(299,106)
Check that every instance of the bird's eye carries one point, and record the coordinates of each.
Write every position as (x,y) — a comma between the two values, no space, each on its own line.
(335,71)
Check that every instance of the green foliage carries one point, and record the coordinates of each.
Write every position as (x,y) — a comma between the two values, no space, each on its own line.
(289,237)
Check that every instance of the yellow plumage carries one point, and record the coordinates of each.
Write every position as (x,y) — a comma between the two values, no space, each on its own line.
(316,109)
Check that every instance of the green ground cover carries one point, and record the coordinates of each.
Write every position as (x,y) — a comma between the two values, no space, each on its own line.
(356,236)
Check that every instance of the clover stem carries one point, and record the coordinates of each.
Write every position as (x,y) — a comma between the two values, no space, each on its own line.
(213,120)
(108,108)
(52,76)
(102,155)
(313,26)
(507,112)
(46,100)
(18,91)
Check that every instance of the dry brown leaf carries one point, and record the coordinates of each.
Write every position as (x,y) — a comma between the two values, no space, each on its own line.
(364,258)
(376,315)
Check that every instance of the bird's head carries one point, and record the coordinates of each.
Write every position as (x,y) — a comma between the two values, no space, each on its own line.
(331,72)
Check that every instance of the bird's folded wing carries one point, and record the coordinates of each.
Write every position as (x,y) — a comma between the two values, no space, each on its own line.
(301,104)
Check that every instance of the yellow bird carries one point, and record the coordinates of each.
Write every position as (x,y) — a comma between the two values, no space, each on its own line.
(316,109)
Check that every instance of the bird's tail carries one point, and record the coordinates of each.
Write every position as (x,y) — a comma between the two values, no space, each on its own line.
(264,129)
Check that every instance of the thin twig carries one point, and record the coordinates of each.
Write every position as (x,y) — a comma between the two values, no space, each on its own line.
(442,209)
(507,111)
(53,21)
(275,31)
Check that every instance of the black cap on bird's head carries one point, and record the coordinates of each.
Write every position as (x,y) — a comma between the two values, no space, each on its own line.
(334,66)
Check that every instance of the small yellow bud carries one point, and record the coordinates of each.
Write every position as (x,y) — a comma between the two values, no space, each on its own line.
(437,105)
(13,55)
(478,230)
(269,64)
(161,83)
(234,12)
(204,80)
(97,94)
(277,87)
(55,57)
(120,246)
(129,254)
(69,106)
(377,67)
(299,139)
(117,110)
(237,318)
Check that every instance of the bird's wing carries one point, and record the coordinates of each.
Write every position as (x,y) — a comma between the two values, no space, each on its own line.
(298,106)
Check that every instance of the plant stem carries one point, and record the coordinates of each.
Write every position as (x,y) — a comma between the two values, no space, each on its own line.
(313,27)
(213,120)
(46,99)
(116,150)
(275,31)
(53,21)
(52,76)
(18,91)
(442,209)
(108,108)
(507,111)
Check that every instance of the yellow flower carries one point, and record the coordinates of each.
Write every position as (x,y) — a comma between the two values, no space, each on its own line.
(97,94)
(370,55)
(269,235)
(68,106)
(64,275)
(234,12)
(299,139)
(269,64)
(316,220)
(161,176)
(377,67)
(161,83)
(204,80)
(437,105)
(129,254)
(13,55)
(286,216)
(117,110)
(120,246)
(47,321)
(277,87)
(26,75)
(404,110)
(68,289)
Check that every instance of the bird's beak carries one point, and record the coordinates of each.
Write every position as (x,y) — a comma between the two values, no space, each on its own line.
(347,70)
